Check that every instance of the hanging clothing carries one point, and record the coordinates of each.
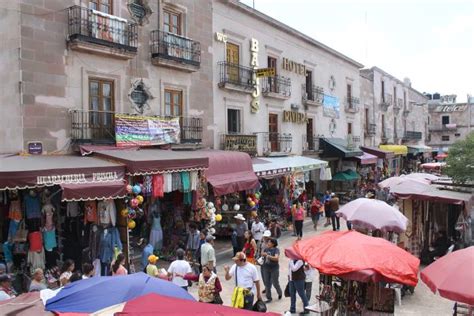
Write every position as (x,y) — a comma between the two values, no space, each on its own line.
(188,198)
(156,233)
(158,186)
(48,211)
(49,238)
(168,182)
(32,206)
(194,180)
(186,182)
(14,212)
(176,182)
(107,212)
(90,212)
(147,185)
(36,260)
(94,241)
(72,209)
(109,239)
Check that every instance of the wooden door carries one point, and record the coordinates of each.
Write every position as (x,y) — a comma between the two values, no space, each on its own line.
(272,84)
(101,106)
(309,134)
(273,132)
(233,61)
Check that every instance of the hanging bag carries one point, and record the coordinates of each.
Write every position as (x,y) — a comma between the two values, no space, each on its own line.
(22,233)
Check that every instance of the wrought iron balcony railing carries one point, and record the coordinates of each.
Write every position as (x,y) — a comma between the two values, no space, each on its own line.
(442,127)
(174,47)
(277,85)
(370,129)
(386,101)
(412,135)
(86,25)
(277,143)
(313,94)
(236,75)
(352,104)
(310,142)
(237,142)
(191,130)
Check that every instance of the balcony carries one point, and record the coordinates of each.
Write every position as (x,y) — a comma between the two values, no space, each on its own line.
(386,135)
(351,105)
(98,127)
(386,101)
(397,105)
(310,143)
(276,87)
(95,32)
(412,135)
(443,128)
(243,143)
(174,51)
(312,95)
(406,112)
(274,144)
(236,77)
(370,129)
(353,141)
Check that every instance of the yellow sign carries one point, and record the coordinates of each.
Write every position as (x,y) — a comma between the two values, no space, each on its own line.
(265,72)
(295,117)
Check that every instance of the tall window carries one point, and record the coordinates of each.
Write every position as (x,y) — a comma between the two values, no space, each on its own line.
(272,63)
(173,103)
(101,5)
(405,100)
(383,91)
(233,60)
(309,85)
(445,119)
(233,121)
(394,95)
(367,127)
(349,128)
(101,106)
(172,22)
(383,126)
(349,95)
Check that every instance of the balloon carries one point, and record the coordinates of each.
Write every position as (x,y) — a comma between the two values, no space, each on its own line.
(257,195)
(218,217)
(131,224)
(134,203)
(252,204)
(249,199)
(137,189)
(129,188)
(236,207)
(210,205)
(253,214)
(140,199)
(212,231)
(124,212)
(132,214)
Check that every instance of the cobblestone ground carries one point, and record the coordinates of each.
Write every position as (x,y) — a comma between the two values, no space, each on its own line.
(422,302)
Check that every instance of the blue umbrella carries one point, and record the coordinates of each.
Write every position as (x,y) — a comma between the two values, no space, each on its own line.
(91,295)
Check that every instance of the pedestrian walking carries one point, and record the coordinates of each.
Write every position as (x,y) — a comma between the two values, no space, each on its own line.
(208,254)
(298,214)
(275,229)
(308,282)
(261,260)
(202,240)
(118,267)
(316,206)
(178,269)
(327,207)
(296,277)
(334,205)
(240,229)
(209,286)
(247,282)
(193,241)
(271,269)
(257,232)
(250,247)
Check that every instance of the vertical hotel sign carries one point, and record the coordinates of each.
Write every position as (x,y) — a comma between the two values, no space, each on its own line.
(255,103)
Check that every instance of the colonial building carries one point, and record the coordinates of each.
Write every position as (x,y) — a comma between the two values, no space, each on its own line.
(308,91)
(69,66)
(449,121)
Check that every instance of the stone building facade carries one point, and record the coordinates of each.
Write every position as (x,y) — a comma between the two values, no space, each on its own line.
(393,112)
(66,58)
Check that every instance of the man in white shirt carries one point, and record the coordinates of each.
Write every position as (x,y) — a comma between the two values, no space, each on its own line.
(178,269)
(257,233)
(208,254)
(247,277)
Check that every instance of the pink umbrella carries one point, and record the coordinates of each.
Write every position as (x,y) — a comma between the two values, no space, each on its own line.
(388,183)
(423,176)
(433,165)
(374,214)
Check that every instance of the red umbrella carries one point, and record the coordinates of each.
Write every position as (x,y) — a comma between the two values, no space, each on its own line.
(341,253)
(452,276)
(154,304)
(441,156)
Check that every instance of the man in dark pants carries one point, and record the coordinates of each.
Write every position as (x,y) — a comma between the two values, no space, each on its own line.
(334,205)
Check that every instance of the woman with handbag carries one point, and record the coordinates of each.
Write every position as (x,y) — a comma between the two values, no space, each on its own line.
(209,286)
(250,247)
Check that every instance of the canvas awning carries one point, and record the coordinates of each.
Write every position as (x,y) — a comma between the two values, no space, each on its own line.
(273,166)
(154,161)
(23,172)
(396,149)
(418,149)
(367,159)
(338,147)
(382,154)
(229,171)
(348,175)
(93,191)
(420,191)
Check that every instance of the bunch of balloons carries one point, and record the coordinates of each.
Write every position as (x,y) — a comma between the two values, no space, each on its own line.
(133,201)
(253,200)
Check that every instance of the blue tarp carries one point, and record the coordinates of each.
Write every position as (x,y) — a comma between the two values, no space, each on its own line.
(94,294)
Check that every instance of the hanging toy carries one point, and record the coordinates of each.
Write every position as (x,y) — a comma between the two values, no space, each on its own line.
(134,203)
(252,203)
(136,189)
(210,205)
(129,188)
(218,217)
(124,212)
(236,207)
(140,199)
(131,224)
(132,214)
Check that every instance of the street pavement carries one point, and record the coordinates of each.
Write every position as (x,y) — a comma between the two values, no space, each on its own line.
(422,302)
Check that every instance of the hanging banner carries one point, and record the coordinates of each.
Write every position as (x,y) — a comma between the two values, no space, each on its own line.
(145,130)
(331,106)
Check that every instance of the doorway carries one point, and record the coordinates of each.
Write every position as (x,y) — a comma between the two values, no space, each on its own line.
(273,132)
(309,134)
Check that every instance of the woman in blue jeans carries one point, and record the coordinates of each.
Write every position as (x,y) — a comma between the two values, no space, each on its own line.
(297,277)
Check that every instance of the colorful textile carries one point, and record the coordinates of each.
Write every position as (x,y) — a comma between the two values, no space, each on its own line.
(168,182)
(14,211)
(158,186)
(148,185)
(185,180)
(90,212)
(49,237)
(32,206)
(176,182)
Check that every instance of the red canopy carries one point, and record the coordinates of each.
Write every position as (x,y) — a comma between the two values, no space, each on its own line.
(452,276)
(340,253)
(94,191)
(154,304)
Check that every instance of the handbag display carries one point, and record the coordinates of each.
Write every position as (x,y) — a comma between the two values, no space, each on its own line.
(218,299)
(21,234)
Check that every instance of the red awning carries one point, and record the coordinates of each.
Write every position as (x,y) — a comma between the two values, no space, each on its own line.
(94,191)
(90,149)
(153,161)
(380,153)
(22,172)
(367,159)
(230,171)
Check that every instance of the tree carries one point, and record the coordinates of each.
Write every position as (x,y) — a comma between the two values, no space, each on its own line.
(460,161)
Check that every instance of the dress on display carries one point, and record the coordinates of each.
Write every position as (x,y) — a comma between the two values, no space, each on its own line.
(156,232)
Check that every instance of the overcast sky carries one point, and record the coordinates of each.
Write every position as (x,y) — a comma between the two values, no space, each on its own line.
(429,41)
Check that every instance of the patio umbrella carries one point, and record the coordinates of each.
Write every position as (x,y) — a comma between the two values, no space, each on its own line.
(452,276)
(433,165)
(24,305)
(423,176)
(441,156)
(90,295)
(348,175)
(388,183)
(340,253)
(374,214)
(154,304)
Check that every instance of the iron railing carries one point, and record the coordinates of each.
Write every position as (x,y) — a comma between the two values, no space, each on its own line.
(277,84)
(442,127)
(356,139)
(235,74)
(191,130)
(370,129)
(277,142)
(237,142)
(93,26)
(313,93)
(385,101)
(178,48)
(412,135)
(310,142)
(352,104)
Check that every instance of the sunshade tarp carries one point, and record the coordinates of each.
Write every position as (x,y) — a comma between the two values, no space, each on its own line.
(397,149)
(21,172)
(433,193)
(417,149)
(94,294)
(26,304)
(229,171)
(380,153)
(94,191)
(153,161)
(153,304)
(433,165)
(348,175)
(367,159)
(338,147)
(270,165)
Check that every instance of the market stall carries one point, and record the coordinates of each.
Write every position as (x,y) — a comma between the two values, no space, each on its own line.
(383,168)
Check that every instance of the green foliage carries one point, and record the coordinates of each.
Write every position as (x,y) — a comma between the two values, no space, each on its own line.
(460,161)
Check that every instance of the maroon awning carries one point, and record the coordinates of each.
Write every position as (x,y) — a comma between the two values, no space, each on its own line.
(380,153)
(153,161)
(230,171)
(21,172)
(94,191)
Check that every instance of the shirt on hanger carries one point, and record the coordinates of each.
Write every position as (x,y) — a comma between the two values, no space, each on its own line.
(90,212)
(158,186)
(14,211)
(48,211)
(72,209)
(32,206)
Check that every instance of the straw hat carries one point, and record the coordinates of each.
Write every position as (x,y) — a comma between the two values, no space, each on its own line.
(239,217)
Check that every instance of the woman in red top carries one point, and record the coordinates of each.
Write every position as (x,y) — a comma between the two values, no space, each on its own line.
(315,211)
(299,218)
(250,247)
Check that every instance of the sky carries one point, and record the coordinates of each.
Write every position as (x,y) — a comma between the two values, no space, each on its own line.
(429,41)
